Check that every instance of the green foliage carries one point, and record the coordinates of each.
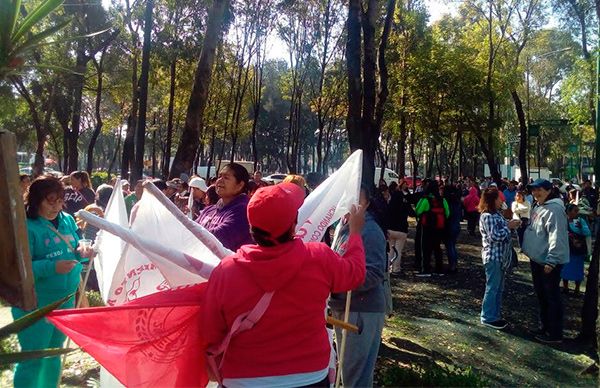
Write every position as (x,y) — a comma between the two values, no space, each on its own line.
(18,37)
(94,298)
(431,375)
(8,357)
(100,177)
(7,346)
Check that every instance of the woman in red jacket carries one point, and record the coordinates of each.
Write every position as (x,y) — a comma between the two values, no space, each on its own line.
(289,344)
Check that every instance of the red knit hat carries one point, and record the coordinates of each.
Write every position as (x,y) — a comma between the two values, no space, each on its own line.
(275,208)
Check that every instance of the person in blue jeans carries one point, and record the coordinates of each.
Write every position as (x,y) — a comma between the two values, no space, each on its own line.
(495,239)
(367,307)
(56,269)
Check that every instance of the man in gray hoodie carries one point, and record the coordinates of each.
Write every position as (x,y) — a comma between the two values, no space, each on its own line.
(546,243)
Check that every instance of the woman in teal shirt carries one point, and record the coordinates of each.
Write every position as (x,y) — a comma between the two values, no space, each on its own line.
(55,260)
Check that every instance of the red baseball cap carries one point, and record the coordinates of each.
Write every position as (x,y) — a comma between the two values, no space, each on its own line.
(275,208)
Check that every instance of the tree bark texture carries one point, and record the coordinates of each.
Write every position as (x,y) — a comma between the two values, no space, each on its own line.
(186,151)
(140,133)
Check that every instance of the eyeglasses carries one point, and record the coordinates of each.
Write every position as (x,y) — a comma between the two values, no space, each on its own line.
(54,200)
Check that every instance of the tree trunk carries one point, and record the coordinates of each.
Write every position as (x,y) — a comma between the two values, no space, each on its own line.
(129,144)
(589,311)
(41,134)
(523,136)
(99,123)
(169,140)
(140,135)
(78,84)
(114,158)
(353,60)
(186,151)
(413,158)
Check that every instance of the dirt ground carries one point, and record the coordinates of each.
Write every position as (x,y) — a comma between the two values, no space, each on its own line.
(437,319)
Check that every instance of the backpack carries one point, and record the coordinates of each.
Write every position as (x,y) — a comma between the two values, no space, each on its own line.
(435,217)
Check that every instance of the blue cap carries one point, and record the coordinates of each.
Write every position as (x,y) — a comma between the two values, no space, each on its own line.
(540,183)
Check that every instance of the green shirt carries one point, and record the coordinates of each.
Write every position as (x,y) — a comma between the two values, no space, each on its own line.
(130,200)
(424,205)
(47,247)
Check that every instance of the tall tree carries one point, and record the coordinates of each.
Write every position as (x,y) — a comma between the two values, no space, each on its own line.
(362,123)
(190,138)
(140,136)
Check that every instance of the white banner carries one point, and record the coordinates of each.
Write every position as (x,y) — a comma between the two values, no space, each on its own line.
(331,200)
(165,249)
(109,246)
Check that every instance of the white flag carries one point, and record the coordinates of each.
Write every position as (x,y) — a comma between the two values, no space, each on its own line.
(109,246)
(331,200)
(165,249)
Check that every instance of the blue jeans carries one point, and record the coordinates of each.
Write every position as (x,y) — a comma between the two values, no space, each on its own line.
(361,348)
(491,305)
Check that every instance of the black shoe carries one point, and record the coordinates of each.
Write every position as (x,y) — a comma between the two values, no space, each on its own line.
(498,325)
(395,274)
(545,338)
(423,274)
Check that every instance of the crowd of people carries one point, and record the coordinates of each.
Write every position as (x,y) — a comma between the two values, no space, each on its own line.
(550,225)
(291,282)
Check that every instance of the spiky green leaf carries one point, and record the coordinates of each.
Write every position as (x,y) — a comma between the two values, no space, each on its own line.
(45,8)
(39,39)
(12,358)
(31,318)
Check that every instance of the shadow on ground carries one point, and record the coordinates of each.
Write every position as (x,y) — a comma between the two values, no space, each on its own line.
(437,319)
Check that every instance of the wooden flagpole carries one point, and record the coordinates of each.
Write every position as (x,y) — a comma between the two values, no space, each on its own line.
(338,377)
(82,286)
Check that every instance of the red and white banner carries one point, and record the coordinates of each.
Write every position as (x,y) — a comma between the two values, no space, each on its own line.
(151,274)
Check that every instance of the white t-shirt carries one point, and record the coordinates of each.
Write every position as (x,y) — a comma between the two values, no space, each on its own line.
(520,210)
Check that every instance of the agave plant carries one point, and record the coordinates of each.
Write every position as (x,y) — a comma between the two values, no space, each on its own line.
(23,323)
(18,35)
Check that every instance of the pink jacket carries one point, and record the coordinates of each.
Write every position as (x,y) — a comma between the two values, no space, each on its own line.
(471,201)
(290,337)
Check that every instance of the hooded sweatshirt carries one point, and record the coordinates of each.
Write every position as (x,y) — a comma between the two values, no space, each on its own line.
(290,338)
(471,201)
(546,240)
(46,249)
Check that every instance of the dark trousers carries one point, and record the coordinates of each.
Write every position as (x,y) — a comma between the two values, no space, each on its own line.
(521,230)
(418,250)
(472,220)
(547,288)
(450,242)
(430,242)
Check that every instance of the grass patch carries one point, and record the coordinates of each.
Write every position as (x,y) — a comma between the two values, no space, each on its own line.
(8,345)
(94,298)
(431,375)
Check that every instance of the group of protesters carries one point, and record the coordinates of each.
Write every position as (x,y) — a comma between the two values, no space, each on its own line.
(552,227)
(285,284)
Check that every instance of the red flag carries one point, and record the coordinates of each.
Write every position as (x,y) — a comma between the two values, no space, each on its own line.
(151,341)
